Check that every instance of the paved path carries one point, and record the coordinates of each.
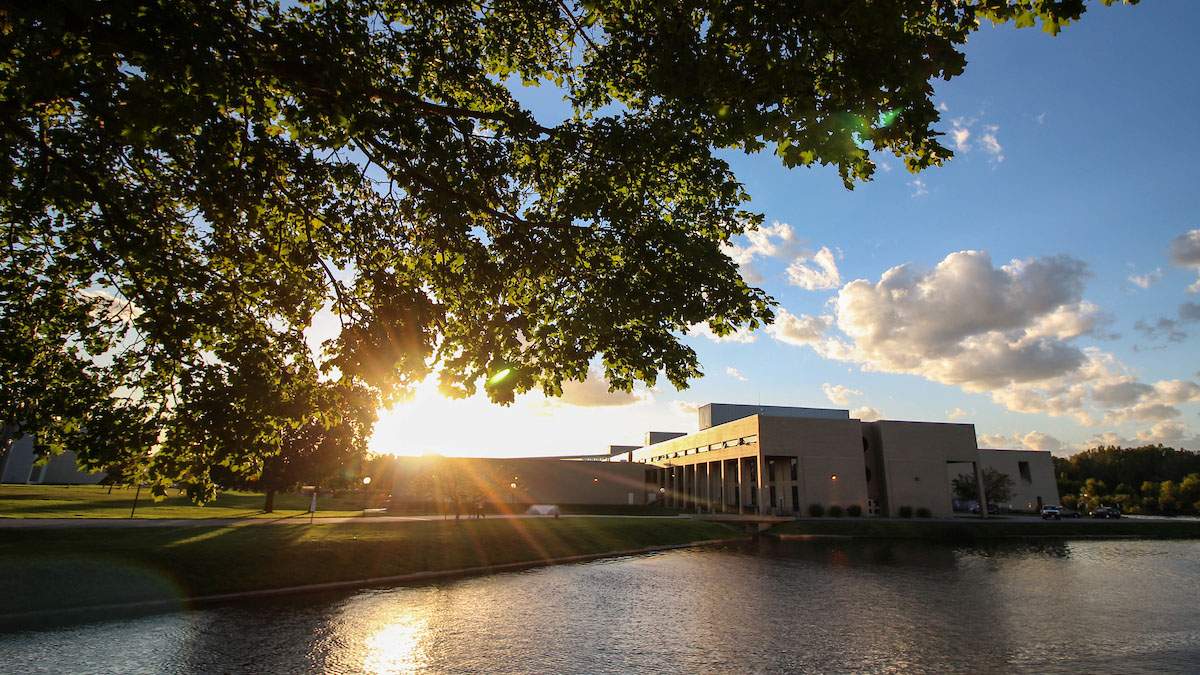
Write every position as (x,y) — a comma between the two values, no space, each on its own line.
(52,523)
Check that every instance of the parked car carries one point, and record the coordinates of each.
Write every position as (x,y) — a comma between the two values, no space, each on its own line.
(1106,512)
(1051,512)
(992,509)
(1067,513)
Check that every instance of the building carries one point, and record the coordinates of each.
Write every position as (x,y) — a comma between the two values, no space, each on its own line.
(1032,473)
(19,465)
(517,482)
(780,460)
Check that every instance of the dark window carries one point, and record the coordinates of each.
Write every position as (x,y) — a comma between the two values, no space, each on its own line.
(772,495)
(795,498)
(865,446)
(1023,467)
(868,474)
(795,468)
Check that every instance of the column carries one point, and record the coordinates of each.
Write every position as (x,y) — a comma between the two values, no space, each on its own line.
(740,492)
(983,505)
(760,471)
(721,489)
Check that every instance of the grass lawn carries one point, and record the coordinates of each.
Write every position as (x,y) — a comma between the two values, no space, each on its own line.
(970,530)
(48,569)
(94,501)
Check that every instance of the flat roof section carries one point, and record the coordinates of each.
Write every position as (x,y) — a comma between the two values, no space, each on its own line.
(713,414)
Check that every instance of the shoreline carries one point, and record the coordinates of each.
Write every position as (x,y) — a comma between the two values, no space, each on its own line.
(70,615)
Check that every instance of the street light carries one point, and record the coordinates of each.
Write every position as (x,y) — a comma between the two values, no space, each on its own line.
(366,481)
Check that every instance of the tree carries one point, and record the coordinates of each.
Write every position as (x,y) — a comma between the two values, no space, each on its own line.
(997,486)
(188,184)
(1168,496)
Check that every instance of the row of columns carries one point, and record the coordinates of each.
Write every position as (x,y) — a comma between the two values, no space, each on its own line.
(719,486)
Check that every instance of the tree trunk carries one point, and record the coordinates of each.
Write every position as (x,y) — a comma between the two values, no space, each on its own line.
(269,506)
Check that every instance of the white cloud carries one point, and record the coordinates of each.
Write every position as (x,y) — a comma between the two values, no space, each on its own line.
(735,374)
(919,187)
(989,143)
(821,275)
(685,408)
(593,391)
(962,132)
(943,107)
(962,138)
(742,335)
(1033,440)
(839,394)
(1146,280)
(1009,331)
(1185,252)
(799,330)
(866,414)
(765,241)
(1041,118)
(956,414)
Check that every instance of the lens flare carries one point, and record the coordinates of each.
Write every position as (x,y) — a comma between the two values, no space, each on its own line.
(499,376)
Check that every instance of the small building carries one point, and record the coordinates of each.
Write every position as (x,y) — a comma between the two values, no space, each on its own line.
(20,465)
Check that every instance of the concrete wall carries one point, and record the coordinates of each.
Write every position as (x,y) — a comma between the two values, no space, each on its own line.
(829,451)
(1040,482)
(698,443)
(538,481)
(712,414)
(915,457)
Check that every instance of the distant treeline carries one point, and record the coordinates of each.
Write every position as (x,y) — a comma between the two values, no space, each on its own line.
(1149,479)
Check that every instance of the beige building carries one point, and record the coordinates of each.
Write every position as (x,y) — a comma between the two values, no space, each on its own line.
(751,460)
(519,481)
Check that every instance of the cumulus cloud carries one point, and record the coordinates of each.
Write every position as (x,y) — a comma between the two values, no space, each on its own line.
(816,272)
(1009,331)
(593,391)
(956,414)
(1033,440)
(735,374)
(1168,432)
(839,394)
(866,414)
(777,240)
(799,330)
(1185,252)
(919,187)
(1146,280)
(962,138)
(685,408)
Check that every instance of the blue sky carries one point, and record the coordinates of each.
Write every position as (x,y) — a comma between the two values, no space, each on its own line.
(1077,157)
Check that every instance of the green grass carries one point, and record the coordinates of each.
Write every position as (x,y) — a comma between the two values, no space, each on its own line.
(972,530)
(94,501)
(61,568)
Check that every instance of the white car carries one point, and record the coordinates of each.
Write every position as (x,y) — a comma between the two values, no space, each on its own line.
(1051,512)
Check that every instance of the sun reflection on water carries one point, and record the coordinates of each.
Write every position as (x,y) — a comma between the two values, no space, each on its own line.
(397,647)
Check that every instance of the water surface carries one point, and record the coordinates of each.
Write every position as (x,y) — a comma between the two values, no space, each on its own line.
(844,606)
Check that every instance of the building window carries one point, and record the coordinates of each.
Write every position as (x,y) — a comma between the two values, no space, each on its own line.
(716,446)
(1023,467)
(795,498)
(748,440)
(794,468)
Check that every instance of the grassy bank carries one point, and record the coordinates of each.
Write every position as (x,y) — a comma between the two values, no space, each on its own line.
(972,530)
(75,567)
(95,501)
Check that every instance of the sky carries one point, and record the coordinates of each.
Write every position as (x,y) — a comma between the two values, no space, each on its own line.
(1043,285)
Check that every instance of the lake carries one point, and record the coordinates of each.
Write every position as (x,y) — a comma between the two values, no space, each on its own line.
(830,606)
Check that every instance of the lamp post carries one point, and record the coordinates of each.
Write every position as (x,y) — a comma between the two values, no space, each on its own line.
(366,481)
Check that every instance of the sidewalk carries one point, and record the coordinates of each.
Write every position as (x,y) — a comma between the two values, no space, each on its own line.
(57,523)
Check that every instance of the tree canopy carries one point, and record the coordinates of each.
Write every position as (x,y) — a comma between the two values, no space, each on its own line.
(186,185)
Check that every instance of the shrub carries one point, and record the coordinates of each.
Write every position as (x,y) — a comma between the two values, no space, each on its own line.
(905,512)
(924,513)
(816,510)
(835,511)
(854,510)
